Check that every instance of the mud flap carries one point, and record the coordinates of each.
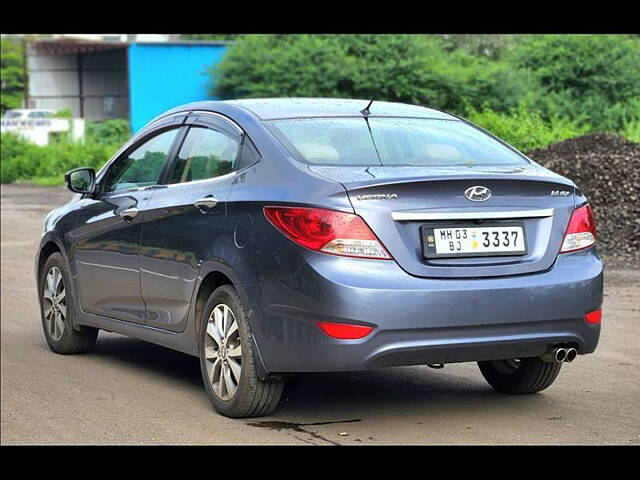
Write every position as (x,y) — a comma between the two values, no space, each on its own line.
(261,370)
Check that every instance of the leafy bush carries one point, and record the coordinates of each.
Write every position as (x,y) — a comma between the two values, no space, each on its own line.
(594,78)
(63,113)
(13,151)
(632,131)
(22,160)
(108,132)
(525,129)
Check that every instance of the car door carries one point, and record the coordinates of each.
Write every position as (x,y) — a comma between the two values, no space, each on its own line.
(107,242)
(184,221)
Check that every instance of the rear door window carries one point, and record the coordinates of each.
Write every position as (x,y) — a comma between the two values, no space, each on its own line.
(204,154)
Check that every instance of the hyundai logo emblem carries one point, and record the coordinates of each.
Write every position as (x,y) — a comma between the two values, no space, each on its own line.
(477,193)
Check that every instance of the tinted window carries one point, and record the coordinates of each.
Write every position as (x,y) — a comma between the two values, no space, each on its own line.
(390,141)
(248,155)
(204,154)
(142,166)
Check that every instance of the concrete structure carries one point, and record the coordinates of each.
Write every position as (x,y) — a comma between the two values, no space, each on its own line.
(98,80)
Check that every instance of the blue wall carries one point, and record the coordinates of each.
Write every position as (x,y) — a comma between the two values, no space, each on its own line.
(164,76)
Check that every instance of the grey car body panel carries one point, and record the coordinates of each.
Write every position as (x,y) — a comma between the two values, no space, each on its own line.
(423,311)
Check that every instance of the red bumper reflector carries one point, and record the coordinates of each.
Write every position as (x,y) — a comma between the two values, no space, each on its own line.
(344,331)
(593,317)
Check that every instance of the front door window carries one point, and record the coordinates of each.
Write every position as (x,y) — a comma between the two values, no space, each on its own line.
(141,167)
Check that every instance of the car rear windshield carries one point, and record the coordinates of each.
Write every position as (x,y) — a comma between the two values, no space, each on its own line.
(386,141)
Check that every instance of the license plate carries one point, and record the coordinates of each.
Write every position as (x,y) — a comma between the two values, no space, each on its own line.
(474,241)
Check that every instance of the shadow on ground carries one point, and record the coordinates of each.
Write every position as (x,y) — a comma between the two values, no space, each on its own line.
(319,396)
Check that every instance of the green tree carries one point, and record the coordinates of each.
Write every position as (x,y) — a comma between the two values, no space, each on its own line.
(486,45)
(594,78)
(11,74)
(404,68)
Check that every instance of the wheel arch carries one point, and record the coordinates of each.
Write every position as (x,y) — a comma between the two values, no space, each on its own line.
(209,283)
(48,248)
(215,275)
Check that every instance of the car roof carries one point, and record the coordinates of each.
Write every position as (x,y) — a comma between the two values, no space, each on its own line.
(272,108)
(277,108)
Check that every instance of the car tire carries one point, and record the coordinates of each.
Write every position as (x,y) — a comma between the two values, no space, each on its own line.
(516,377)
(57,309)
(226,352)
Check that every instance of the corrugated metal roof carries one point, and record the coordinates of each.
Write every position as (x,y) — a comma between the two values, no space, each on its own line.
(64,46)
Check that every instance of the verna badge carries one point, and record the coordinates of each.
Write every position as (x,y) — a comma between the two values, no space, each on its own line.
(477,193)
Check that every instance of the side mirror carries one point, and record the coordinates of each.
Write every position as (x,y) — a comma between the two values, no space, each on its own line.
(81,180)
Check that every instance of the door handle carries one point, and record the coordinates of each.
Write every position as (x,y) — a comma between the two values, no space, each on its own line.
(205,204)
(129,214)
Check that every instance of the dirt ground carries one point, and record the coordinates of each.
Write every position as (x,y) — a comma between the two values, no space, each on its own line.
(130,392)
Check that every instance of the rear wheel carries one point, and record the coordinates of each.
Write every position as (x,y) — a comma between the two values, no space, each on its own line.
(228,361)
(57,310)
(519,376)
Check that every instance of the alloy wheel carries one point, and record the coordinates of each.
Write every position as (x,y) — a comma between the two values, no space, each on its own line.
(55,304)
(223,352)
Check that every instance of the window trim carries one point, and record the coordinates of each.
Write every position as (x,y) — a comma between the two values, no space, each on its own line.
(226,121)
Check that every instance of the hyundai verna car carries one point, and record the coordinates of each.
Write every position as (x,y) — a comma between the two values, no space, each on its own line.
(275,236)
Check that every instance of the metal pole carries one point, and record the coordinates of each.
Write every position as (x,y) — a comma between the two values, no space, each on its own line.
(80,92)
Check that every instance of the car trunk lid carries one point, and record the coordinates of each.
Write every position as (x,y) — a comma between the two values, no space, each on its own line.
(397,202)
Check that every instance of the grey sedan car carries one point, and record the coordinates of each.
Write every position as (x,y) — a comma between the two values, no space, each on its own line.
(275,236)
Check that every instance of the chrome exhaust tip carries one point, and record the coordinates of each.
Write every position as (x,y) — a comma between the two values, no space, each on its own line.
(572,353)
(556,355)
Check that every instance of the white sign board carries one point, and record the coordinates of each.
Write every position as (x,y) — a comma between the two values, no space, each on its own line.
(37,130)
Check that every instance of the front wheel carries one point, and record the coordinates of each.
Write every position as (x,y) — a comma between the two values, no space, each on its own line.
(57,310)
(227,360)
(519,376)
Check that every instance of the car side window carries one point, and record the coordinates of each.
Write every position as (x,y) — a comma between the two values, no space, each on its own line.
(141,167)
(205,154)
(248,154)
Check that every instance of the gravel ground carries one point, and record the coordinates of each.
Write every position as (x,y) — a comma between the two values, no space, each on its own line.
(607,169)
(130,392)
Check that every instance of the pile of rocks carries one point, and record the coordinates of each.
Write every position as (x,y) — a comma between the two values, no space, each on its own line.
(607,170)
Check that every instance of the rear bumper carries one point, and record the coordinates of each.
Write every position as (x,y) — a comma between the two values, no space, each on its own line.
(420,320)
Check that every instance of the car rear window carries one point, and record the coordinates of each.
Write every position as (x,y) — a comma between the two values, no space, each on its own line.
(386,141)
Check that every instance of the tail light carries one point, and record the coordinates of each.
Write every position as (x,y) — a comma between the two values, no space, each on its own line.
(327,231)
(344,331)
(593,317)
(581,232)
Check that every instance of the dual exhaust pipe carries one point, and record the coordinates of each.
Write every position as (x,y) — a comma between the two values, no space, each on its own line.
(559,355)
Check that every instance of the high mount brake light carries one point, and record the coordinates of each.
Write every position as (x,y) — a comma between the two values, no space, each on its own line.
(581,232)
(327,231)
